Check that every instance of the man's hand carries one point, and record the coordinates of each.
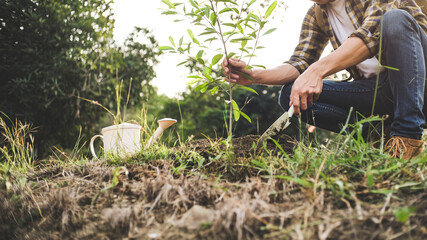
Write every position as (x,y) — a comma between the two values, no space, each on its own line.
(238,73)
(306,89)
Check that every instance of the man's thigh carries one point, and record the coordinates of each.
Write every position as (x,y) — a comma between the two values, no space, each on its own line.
(359,95)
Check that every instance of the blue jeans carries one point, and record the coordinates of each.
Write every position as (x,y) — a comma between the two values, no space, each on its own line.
(400,93)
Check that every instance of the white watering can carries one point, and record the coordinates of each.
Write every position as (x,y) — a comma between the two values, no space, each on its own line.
(163,124)
(125,139)
(121,140)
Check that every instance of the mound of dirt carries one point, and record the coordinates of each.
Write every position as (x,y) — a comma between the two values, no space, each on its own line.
(243,147)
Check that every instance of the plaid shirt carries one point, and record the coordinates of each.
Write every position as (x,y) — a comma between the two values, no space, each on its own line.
(365,16)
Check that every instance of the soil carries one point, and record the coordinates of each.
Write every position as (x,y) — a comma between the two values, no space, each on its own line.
(243,147)
(149,201)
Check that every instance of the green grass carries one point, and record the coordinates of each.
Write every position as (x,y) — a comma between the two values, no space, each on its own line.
(344,168)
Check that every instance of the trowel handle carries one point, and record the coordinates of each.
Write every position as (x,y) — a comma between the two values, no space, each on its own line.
(291,111)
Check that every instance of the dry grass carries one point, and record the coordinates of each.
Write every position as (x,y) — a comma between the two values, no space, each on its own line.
(150,202)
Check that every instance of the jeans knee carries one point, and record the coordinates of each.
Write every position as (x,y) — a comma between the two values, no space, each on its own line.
(394,22)
(284,97)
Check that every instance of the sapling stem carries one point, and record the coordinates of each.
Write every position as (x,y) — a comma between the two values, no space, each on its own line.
(230,121)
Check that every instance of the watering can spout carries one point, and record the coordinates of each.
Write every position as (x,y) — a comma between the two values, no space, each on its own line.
(166,122)
(163,124)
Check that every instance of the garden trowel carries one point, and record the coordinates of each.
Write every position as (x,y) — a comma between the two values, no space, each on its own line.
(280,124)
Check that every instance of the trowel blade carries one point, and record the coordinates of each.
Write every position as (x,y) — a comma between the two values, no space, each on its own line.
(280,124)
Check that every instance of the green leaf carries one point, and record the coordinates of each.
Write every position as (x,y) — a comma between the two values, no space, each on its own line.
(243,43)
(208,31)
(245,75)
(225,10)
(229,1)
(194,76)
(193,81)
(172,42)
(169,13)
(181,63)
(259,164)
(403,214)
(201,87)
(194,4)
(207,74)
(190,33)
(260,66)
(251,15)
(300,181)
(211,39)
(245,116)
(199,54)
(207,11)
(180,41)
(192,36)
(236,111)
(252,2)
(231,33)
(167,2)
(229,24)
(230,55)
(162,48)
(214,90)
(240,28)
(391,68)
(248,89)
(213,19)
(241,39)
(201,61)
(244,50)
(216,58)
(270,31)
(270,9)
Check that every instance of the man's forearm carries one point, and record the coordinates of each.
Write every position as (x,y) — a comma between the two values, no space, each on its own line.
(352,52)
(279,75)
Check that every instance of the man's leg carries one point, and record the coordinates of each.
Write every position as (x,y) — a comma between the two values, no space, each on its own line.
(333,107)
(405,46)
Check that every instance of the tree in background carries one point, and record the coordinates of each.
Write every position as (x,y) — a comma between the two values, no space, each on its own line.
(54,51)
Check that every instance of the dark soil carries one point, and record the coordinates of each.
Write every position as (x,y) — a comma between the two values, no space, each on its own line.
(150,202)
(244,147)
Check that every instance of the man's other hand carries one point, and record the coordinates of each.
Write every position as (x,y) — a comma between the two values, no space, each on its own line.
(236,72)
(306,89)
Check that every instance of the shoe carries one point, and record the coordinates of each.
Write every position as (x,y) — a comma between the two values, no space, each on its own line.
(405,148)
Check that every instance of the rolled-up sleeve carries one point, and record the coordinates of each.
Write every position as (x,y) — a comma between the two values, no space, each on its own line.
(311,44)
(370,29)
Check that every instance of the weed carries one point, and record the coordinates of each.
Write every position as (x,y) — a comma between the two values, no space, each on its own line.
(16,146)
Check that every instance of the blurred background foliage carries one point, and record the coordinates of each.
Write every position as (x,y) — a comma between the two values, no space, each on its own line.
(55,53)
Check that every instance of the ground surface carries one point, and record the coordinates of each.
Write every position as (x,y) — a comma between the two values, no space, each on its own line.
(150,200)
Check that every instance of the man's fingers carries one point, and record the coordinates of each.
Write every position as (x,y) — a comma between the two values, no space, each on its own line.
(310,100)
(304,102)
(316,96)
(236,63)
(295,101)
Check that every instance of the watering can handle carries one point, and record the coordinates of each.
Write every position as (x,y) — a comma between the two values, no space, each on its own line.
(92,149)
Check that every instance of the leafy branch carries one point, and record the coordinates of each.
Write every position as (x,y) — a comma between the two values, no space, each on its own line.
(212,15)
